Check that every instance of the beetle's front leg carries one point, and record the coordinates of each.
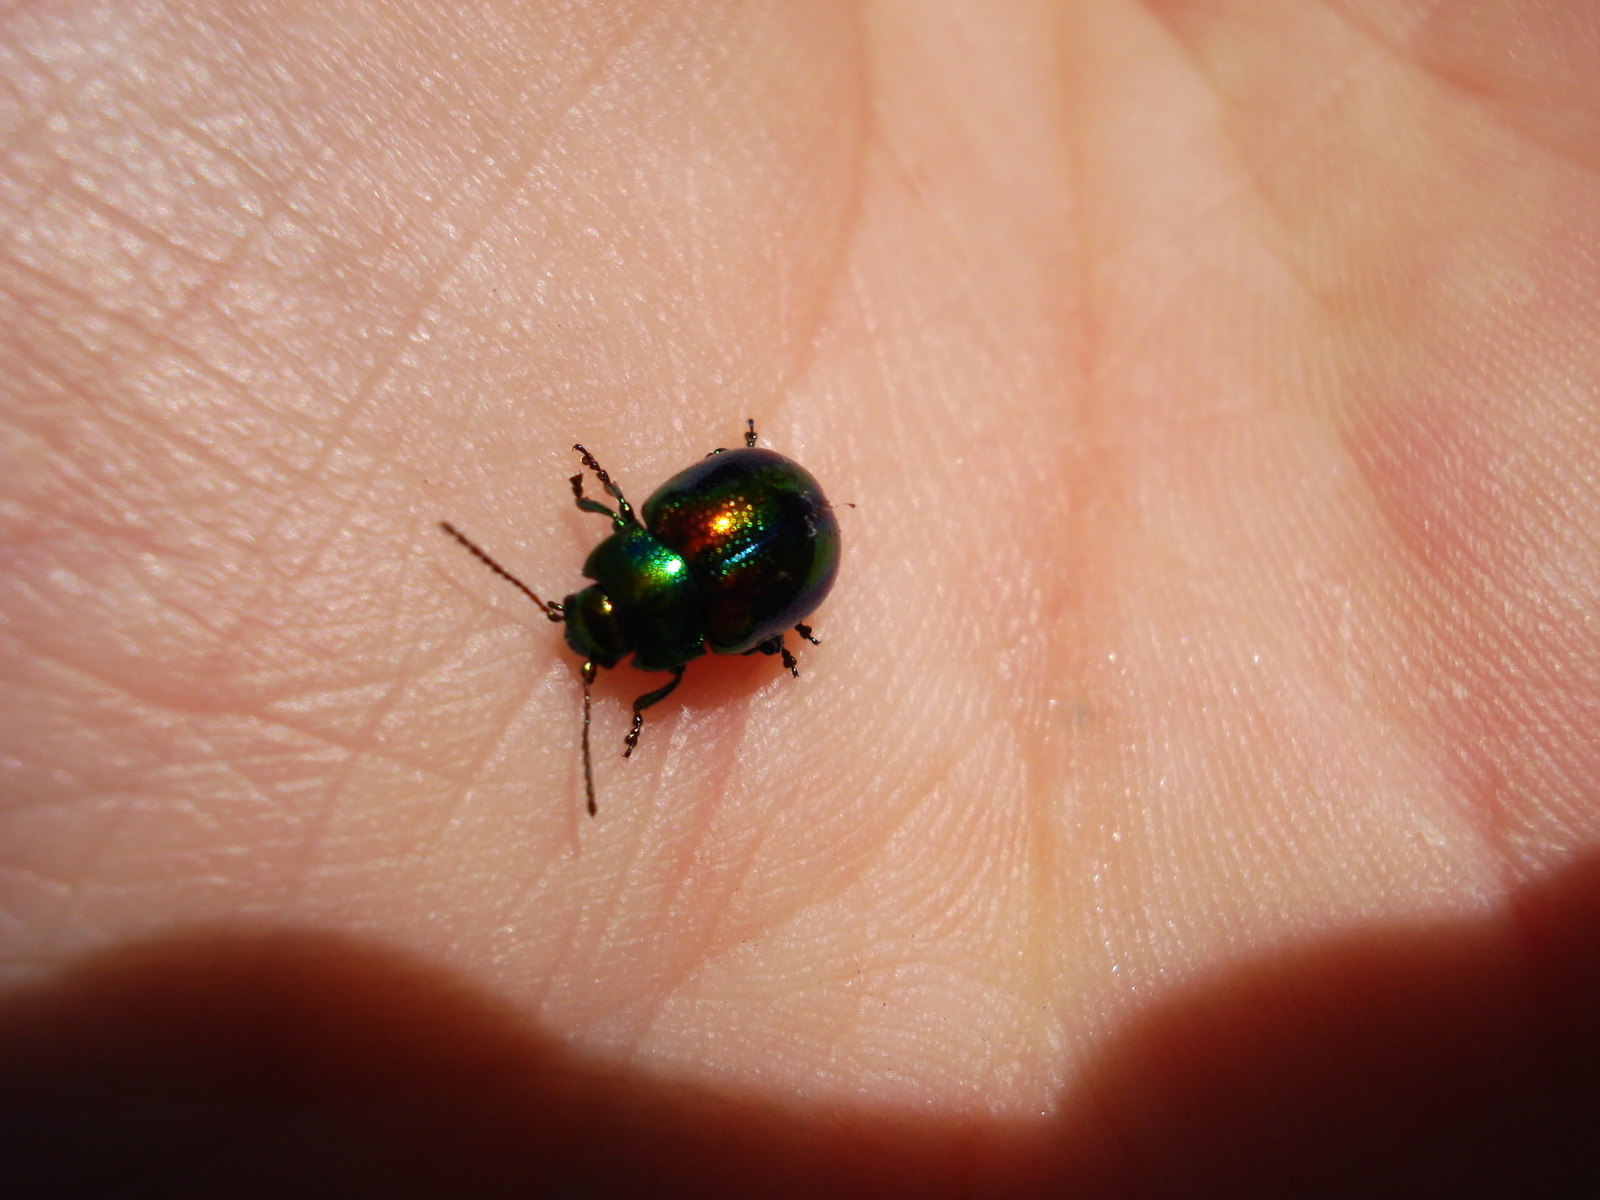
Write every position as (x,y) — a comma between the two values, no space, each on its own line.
(624,515)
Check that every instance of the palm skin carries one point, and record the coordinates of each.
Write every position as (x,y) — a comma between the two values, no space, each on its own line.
(1193,789)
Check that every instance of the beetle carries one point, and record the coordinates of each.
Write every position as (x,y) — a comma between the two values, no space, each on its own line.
(731,553)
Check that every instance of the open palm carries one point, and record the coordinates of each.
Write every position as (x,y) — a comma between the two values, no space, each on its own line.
(1194,788)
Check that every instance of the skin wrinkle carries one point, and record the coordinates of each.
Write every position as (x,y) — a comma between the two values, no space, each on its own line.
(149,244)
(368,388)
(1483,96)
(736,928)
(1433,16)
(317,824)
(1490,831)
(259,184)
(901,168)
(555,978)
(775,918)
(199,449)
(61,890)
(503,726)
(498,729)
(592,946)
(1313,292)
(1482,807)
(354,749)
(1252,182)
(714,931)
(319,735)
(940,892)
(1053,1007)
(1105,371)
(632,1023)
(26,132)
(830,294)
(459,791)
(777,913)
(118,218)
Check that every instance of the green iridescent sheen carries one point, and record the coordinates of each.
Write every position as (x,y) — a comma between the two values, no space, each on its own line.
(647,595)
(759,539)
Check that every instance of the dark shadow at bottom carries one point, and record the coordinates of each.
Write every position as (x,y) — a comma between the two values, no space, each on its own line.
(1458,1060)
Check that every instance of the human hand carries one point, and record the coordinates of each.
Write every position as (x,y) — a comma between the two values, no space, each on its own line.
(1193,790)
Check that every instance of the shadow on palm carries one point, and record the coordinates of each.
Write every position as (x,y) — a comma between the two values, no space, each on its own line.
(1450,1060)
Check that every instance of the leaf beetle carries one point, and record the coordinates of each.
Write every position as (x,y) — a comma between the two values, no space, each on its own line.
(730,554)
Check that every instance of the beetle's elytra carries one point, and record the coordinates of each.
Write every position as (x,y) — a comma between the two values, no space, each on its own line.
(732,552)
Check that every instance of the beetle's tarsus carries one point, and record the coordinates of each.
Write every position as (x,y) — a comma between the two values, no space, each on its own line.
(644,702)
(624,514)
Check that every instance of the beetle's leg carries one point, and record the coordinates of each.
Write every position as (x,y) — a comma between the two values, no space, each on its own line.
(749,439)
(805,632)
(774,645)
(624,514)
(644,702)
(586,504)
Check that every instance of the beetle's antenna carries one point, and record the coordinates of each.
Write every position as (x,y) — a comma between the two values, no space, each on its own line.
(553,611)
(588,762)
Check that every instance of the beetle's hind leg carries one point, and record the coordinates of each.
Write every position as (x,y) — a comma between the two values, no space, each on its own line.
(644,702)
(749,438)
(774,645)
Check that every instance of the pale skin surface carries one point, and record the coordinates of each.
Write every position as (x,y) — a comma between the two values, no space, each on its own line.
(1216,384)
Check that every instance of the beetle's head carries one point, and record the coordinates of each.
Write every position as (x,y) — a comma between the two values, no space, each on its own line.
(593,630)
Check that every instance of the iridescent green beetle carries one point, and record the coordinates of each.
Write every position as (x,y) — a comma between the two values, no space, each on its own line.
(732,552)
